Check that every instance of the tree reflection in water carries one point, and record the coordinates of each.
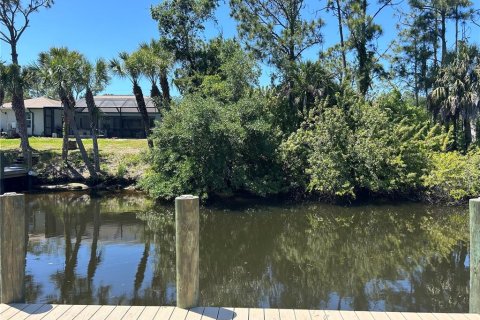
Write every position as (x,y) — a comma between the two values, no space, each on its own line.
(120,249)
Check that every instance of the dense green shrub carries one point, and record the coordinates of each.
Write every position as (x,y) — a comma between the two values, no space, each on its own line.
(204,146)
(454,176)
(339,152)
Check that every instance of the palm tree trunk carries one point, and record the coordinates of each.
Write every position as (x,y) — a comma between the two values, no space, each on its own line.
(93,127)
(342,41)
(468,132)
(18,106)
(443,37)
(165,88)
(65,132)
(18,103)
(142,108)
(69,105)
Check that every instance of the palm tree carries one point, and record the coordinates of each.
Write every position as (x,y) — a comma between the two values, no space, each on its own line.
(157,62)
(61,70)
(456,95)
(95,79)
(131,68)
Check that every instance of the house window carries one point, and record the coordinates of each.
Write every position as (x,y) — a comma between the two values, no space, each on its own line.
(29,119)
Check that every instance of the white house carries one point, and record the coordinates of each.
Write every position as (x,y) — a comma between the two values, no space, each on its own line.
(118,117)
(44,117)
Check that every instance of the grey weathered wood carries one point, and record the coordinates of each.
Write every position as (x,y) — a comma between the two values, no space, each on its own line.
(475,255)
(187,219)
(2,172)
(12,247)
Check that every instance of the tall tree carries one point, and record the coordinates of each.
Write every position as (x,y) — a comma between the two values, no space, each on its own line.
(95,79)
(456,96)
(336,7)
(181,24)
(278,33)
(439,12)
(130,67)
(414,53)
(156,63)
(15,19)
(363,32)
(61,70)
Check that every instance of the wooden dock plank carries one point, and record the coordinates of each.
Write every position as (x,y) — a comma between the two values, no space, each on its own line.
(241,313)
(395,316)
(149,313)
(3,307)
(195,313)
(210,313)
(40,313)
(346,314)
(411,315)
(472,316)
(24,313)
(377,315)
(442,316)
(73,311)
(317,314)
(287,314)
(178,314)
(458,316)
(256,314)
(87,313)
(301,314)
(226,314)
(118,312)
(95,312)
(102,313)
(133,313)
(364,315)
(15,308)
(55,313)
(272,314)
(333,315)
(164,313)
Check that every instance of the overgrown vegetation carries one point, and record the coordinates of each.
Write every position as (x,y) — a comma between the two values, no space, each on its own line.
(347,123)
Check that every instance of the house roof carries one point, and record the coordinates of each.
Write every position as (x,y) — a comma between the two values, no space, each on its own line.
(36,103)
(117,104)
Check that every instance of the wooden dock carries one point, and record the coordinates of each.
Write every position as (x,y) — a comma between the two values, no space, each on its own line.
(83,312)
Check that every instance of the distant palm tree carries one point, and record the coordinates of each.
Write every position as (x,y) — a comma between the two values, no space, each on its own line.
(129,67)
(456,96)
(61,70)
(95,78)
(157,62)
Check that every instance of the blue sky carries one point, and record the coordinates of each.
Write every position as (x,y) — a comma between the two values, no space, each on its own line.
(102,28)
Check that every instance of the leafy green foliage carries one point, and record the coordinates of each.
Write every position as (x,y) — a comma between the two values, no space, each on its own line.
(340,152)
(454,176)
(204,146)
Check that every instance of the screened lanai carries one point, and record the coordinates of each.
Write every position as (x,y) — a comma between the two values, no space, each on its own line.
(119,116)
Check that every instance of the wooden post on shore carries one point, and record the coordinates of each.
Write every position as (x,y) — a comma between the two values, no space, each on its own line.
(187,221)
(2,173)
(12,247)
(474,255)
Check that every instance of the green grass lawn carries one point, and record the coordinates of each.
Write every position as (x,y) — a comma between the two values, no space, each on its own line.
(120,158)
(106,146)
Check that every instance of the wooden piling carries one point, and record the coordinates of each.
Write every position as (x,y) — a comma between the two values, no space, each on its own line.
(2,172)
(12,247)
(187,220)
(474,255)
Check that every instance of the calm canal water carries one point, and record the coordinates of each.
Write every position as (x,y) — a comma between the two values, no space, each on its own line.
(120,249)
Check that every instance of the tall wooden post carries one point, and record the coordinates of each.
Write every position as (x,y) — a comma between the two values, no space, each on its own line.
(2,172)
(12,247)
(475,255)
(187,220)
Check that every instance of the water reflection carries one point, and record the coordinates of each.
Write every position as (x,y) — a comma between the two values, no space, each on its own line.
(120,249)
